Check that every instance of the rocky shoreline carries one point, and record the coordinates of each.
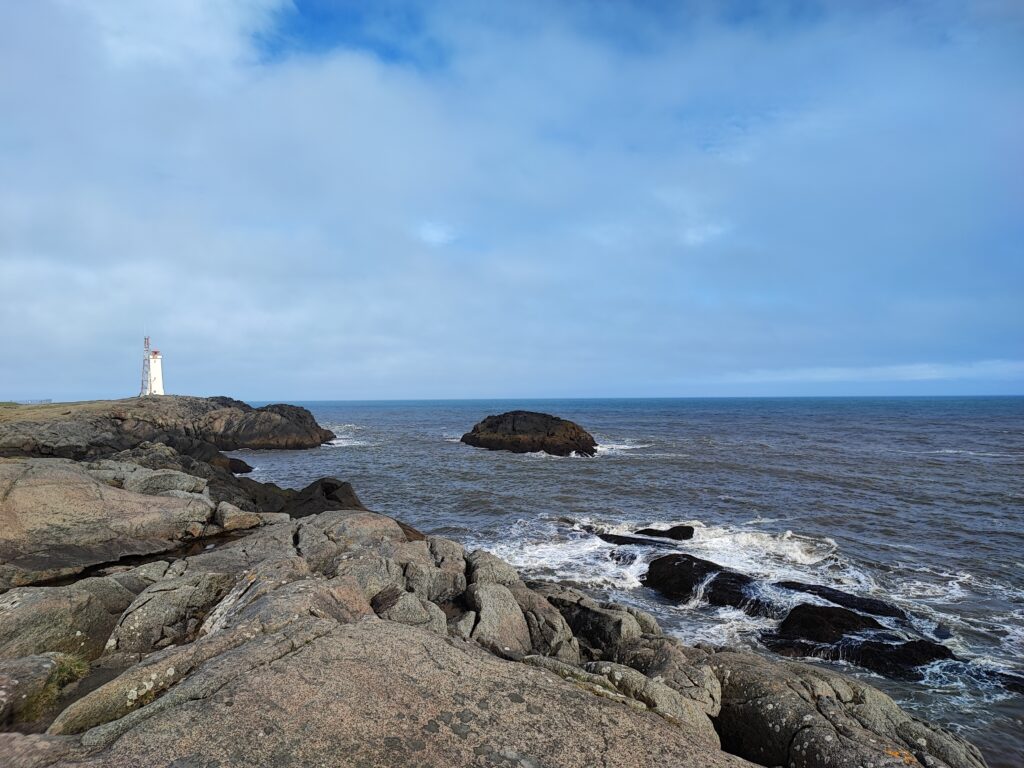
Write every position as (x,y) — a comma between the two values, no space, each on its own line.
(157,609)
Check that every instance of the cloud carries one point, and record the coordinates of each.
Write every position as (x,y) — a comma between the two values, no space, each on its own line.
(512,199)
(435,233)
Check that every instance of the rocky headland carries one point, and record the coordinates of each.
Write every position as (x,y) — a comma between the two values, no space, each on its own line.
(156,609)
(194,426)
(530,432)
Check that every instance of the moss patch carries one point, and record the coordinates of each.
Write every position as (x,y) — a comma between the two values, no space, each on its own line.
(69,669)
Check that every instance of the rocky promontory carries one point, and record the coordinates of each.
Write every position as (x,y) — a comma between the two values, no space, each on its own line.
(530,432)
(195,426)
(157,610)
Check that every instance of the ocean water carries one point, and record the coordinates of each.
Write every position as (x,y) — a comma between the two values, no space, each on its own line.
(916,500)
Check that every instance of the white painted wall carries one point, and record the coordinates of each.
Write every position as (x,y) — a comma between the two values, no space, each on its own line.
(156,374)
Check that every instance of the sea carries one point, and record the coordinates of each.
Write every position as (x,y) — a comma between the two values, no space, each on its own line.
(919,501)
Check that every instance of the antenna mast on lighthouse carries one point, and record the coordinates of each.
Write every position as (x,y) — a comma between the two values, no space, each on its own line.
(152,371)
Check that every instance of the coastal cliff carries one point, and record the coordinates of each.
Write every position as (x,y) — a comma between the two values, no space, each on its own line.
(158,610)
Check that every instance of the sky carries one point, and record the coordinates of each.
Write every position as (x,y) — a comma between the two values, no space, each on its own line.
(302,199)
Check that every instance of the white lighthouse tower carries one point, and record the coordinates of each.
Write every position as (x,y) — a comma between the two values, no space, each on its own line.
(152,371)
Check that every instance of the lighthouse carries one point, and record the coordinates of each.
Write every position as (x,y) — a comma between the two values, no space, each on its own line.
(152,370)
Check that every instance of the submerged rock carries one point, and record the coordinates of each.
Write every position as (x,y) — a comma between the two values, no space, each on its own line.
(870,605)
(676,532)
(528,432)
(636,541)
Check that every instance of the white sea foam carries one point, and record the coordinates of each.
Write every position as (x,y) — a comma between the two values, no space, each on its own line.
(769,556)
(572,556)
(605,448)
(1013,625)
(965,452)
(344,437)
(577,554)
(570,551)
(343,441)
(731,626)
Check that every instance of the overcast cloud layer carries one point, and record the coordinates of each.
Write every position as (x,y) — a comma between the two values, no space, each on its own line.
(307,201)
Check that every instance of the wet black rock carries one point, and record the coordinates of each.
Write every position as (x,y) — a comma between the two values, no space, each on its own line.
(870,605)
(824,623)
(684,576)
(529,432)
(322,495)
(676,532)
(839,634)
(618,538)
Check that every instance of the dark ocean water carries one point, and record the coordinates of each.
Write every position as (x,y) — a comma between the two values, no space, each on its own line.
(916,500)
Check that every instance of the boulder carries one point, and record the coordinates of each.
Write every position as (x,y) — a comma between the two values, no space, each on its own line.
(324,494)
(676,532)
(268,543)
(221,483)
(322,538)
(550,635)
(824,623)
(448,555)
(231,518)
(373,572)
(252,585)
(438,570)
(57,519)
(529,432)
(602,629)
(500,625)
(685,670)
(485,568)
(834,633)
(432,583)
(687,577)
(138,479)
(461,625)
(657,696)
(404,607)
